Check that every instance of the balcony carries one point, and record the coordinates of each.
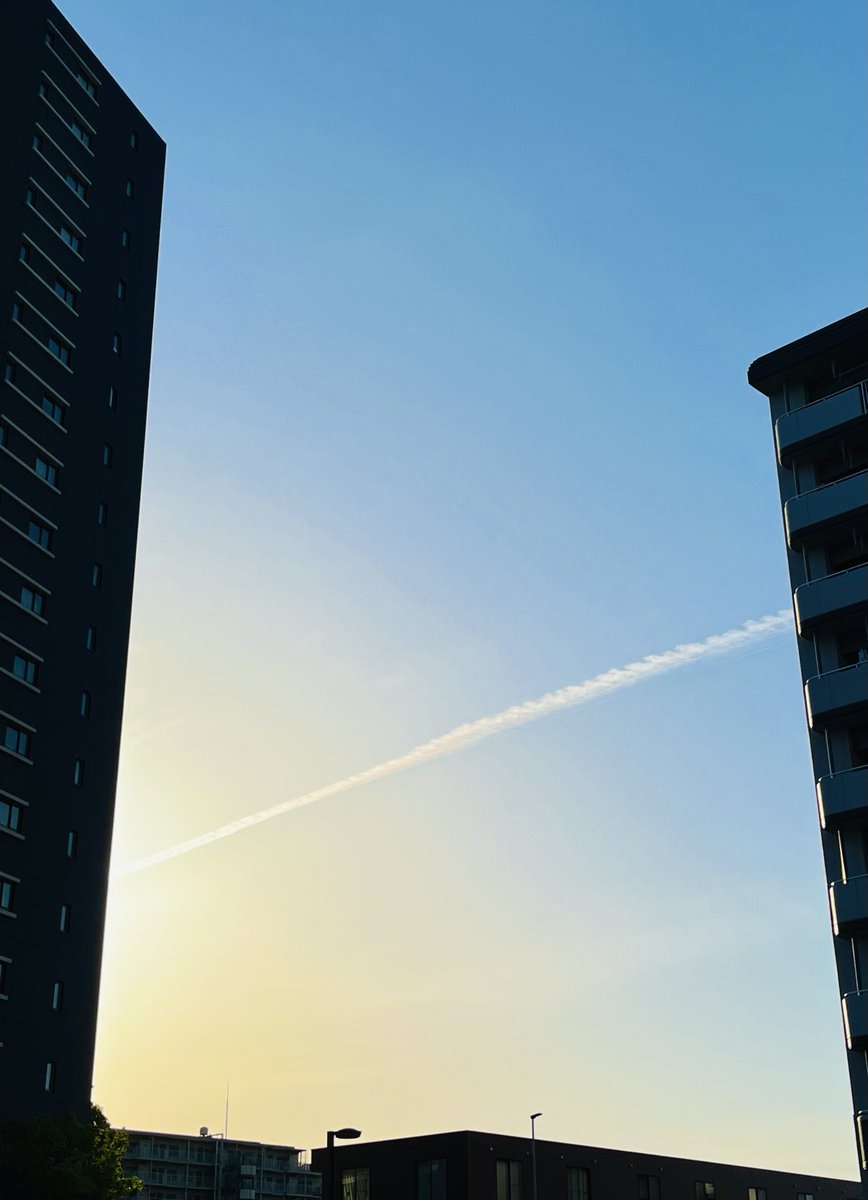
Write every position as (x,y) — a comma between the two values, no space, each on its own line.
(856,1019)
(828,417)
(849,899)
(833,596)
(844,500)
(843,797)
(832,697)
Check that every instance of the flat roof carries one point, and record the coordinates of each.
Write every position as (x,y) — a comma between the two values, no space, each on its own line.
(806,354)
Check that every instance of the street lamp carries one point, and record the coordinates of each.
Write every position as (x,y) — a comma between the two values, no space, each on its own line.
(346,1134)
(533,1117)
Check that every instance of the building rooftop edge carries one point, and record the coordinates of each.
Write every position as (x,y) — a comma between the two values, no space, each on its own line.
(765,372)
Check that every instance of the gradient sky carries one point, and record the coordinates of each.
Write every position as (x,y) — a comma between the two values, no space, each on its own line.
(449,409)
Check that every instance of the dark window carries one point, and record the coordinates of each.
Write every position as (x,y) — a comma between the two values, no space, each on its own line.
(704,1191)
(130,189)
(134,140)
(37,142)
(113,397)
(578,1183)
(356,1184)
(52,410)
(122,290)
(7,895)
(117,343)
(126,239)
(102,513)
(49,39)
(649,1187)
(25,668)
(60,352)
(11,815)
(90,639)
(67,295)
(32,600)
(96,575)
(71,843)
(508,1174)
(16,739)
(106,455)
(85,704)
(50,1076)
(756,1193)
(431,1180)
(77,131)
(78,772)
(87,83)
(57,996)
(24,252)
(4,976)
(46,470)
(72,239)
(65,918)
(39,534)
(76,185)
(9,372)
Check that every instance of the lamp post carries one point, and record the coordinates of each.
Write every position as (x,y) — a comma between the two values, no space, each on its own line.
(533,1117)
(345,1134)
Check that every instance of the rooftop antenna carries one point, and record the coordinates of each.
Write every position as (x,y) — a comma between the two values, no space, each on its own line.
(226,1114)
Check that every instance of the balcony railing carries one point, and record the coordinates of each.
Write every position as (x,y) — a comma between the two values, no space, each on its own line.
(834,696)
(849,901)
(856,1019)
(843,797)
(831,597)
(832,415)
(813,511)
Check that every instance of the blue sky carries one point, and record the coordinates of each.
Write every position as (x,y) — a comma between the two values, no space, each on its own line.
(449,409)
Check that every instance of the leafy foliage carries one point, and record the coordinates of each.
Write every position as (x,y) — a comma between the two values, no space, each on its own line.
(62,1158)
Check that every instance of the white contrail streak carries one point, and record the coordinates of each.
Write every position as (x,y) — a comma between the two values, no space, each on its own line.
(476,731)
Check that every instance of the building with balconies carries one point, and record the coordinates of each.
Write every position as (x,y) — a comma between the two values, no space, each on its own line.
(818,391)
(79,229)
(176,1167)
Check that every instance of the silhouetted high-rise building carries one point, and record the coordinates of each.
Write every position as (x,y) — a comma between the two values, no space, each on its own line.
(818,388)
(80,202)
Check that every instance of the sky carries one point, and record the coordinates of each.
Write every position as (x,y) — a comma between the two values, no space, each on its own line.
(448,411)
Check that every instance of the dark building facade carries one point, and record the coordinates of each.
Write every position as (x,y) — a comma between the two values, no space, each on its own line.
(492,1166)
(82,176)
(175,1167)
(818,390)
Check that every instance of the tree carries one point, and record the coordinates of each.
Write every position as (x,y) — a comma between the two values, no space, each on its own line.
(62,1158)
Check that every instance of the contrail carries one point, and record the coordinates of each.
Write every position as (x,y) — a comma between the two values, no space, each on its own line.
(476,731)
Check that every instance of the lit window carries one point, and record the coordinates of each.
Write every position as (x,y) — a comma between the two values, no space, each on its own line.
(24,668)
(85,704)
(71,843)
(50,1076)
(65,915)
(57,996)
(78,772)
(72,239)
(11,815)
(60,352)
(107,455)
(7,895)
(122,290)
(130,189)
(16,739)
(117,343)
(67,295)
(32,600)
(39,534)
(126,239)
(102,513)
(52,409)
(90,639)
(46,470)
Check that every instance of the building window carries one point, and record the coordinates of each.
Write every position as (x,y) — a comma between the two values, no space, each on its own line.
(50,1076)
(60,352)
(7,895)
(704,1191)
(96,575)
(117,343)
(508,1179)
(57,996)
(72,843)
(805,1196)
(11,815)
(16,739)
(113,397)
(67,295)
(76,185)
(356,1184)
(578,1183)
(649,1187)
(90,639)
(72,239)
(65,917)
(126,238)
(431,1180)
(37,142)
(39,534)
(78,772)
(134,140)
(106,455)
(24,253)
(122,290)
(85,704)
(88,84)
(52,410)
(78,132)
(49,38)
(102,514)
(33,601)
(4,976)
(46,470)
(130,189)
(25,669)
